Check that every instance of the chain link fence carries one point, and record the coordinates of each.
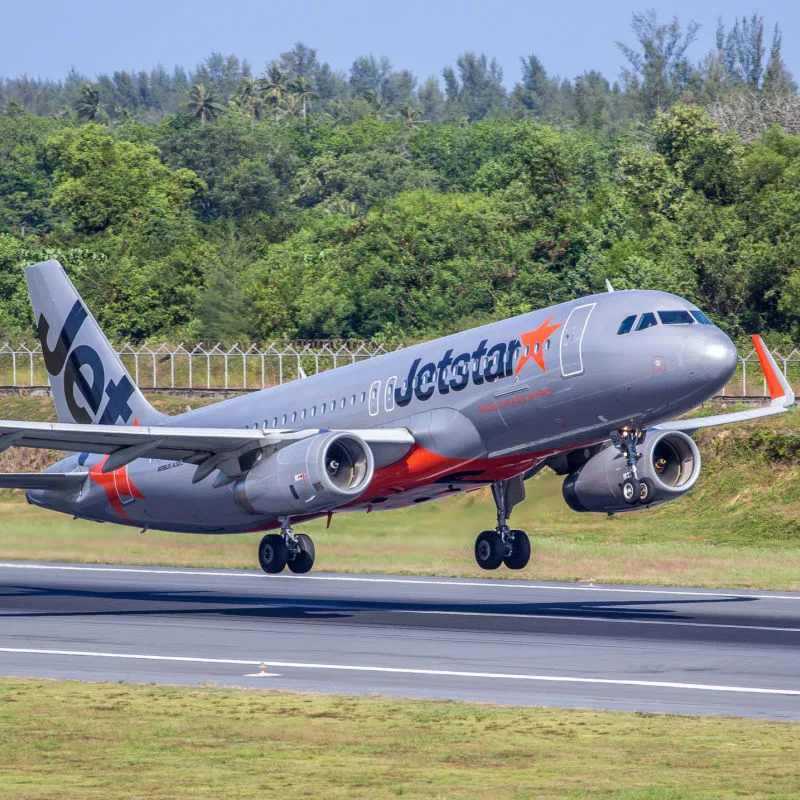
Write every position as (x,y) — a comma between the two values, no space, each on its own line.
(214,368)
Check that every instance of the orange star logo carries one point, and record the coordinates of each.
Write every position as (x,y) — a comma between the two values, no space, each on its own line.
(115,484)
(534,341)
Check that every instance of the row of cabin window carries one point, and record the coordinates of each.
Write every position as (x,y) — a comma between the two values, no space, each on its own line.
(648,320)
(391,384)
(301,415)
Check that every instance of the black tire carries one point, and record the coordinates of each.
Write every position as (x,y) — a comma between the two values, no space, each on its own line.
(520,551)
(272,553)
(630,491)
(646,490)
(489,550)
(303,559)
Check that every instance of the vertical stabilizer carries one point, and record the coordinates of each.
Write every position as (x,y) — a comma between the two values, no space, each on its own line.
(87,378)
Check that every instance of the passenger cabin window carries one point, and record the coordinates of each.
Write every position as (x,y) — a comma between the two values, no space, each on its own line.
(701,317)
(283,421)
(647,321)
(626,325)
(681,317)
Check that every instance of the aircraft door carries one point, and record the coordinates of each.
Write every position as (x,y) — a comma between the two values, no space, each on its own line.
(572,340)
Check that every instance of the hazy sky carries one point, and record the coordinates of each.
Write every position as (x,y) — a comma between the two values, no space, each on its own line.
(48,37)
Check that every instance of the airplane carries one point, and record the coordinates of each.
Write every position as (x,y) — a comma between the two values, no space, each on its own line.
(590,388)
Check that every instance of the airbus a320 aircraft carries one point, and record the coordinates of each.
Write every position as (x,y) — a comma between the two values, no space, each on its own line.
(586,388)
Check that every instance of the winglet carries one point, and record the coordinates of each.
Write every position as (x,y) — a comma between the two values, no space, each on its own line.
(779,390)
(609,287)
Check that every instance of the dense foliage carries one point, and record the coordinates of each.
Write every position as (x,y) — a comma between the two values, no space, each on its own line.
(305,203)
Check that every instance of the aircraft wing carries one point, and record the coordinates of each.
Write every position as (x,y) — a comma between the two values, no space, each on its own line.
(781,399)
(226,449)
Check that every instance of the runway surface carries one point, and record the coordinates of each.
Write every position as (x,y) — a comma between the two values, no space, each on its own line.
(616,647)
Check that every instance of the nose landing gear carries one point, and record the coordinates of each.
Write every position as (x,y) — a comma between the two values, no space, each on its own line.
(627,441)
(503,545)
(287,548)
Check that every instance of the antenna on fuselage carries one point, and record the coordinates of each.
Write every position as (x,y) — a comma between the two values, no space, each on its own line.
(609,287)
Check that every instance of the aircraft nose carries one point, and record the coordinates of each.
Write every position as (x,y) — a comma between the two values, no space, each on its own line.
(715,357)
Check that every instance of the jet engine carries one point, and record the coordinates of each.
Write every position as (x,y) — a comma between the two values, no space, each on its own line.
(312,475)
(669,467)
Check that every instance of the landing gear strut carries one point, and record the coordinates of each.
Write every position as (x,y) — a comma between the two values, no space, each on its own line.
(287,548)
(633,489)
(503,545)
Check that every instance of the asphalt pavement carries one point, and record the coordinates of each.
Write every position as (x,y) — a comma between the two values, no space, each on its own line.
(688,651)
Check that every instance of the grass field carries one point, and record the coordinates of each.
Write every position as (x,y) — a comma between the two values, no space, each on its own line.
(66,739)
(740,527)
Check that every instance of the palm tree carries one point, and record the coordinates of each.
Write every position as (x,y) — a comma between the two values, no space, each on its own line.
(202,104)
(303,92)
(248,99)
(87,106)
(274,85)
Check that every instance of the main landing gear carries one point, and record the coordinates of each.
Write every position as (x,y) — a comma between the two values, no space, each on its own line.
(634,489)
(503,545)
(287,548)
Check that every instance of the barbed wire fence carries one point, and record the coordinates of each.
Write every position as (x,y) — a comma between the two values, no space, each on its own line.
(213,368)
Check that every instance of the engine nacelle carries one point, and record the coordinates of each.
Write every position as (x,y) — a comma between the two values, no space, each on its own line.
(312,475)
(670,461)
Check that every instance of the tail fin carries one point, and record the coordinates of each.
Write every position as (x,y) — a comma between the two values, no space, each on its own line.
(87,378)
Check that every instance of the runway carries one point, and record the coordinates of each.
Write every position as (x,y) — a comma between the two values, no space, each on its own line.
(566,645)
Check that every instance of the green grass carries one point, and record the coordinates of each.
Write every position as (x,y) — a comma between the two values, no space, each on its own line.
(77,740)
(740,527)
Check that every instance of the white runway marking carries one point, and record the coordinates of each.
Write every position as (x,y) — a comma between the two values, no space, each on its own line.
(406,671)
(477,583)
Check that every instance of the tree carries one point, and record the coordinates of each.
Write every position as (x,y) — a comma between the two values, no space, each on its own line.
(478,90)
(777,79)
(202,104)
(659,70)
(88,107)
(275,86)
(303,92)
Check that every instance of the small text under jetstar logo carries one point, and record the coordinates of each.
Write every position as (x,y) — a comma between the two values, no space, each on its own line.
(71,359)
(482,365)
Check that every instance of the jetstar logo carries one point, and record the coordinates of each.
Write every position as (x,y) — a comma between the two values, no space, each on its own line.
(117,485)
(72,359)
(453,374)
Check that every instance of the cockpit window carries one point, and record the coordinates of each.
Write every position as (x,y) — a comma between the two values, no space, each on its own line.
(681,317)
(647,321)
(626,325)
(701,317)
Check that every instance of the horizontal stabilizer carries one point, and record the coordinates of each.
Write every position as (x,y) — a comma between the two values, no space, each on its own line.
(42,480)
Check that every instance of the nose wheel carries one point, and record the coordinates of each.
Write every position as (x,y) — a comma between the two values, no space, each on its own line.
(633,489)
(276,551)
(503,545)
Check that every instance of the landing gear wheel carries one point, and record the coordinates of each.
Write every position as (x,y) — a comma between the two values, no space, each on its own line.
(645,491)
(489,550)
(303,559)
(630,490)
(272,553)
(520,551)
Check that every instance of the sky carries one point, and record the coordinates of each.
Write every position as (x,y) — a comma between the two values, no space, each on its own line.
(569,37)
